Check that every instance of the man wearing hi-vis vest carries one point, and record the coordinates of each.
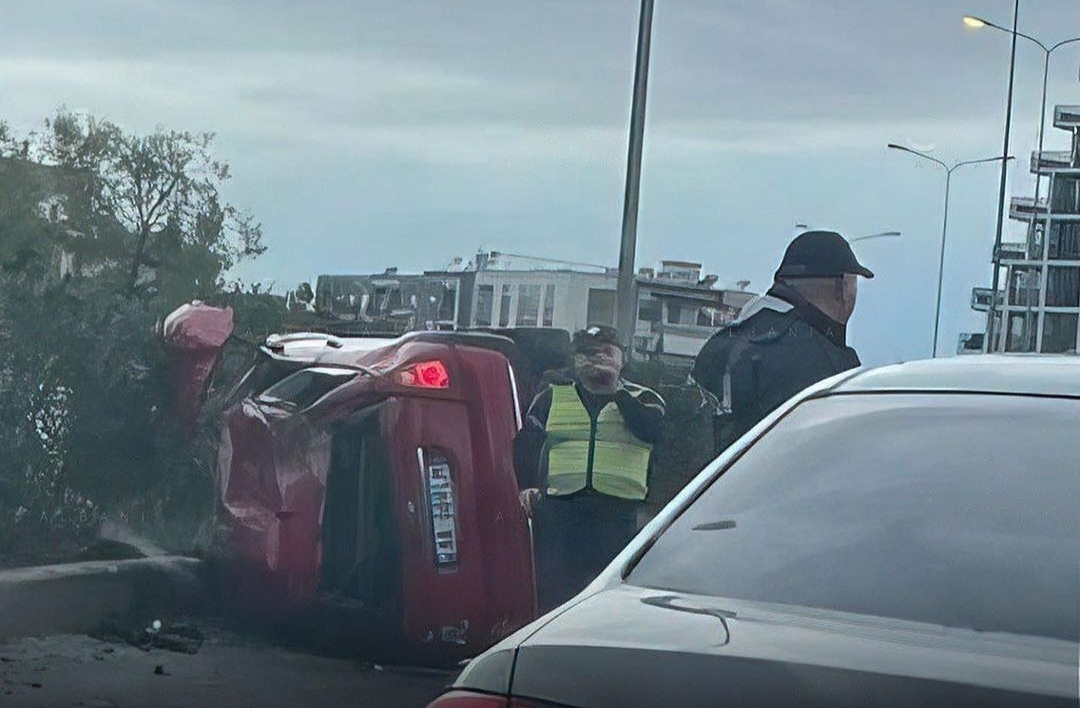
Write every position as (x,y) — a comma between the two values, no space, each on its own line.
(583,460)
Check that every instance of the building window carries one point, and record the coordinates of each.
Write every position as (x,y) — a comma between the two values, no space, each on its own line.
(601,307)
(1065,240)
(386,301)
(677,314)
(549,304)
(1022,330)
(504,305)
(485,300)
(528,306)
(650,310)
(1062,287)
(1059,333)
(448,304)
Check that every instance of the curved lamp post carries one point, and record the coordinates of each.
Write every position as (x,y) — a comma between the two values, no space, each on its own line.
(883,234)
(945,219)
(978,22)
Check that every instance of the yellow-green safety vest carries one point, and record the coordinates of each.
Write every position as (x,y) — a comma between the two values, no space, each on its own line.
(604,456)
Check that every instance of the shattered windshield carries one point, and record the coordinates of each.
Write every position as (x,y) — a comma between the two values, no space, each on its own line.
(304,388)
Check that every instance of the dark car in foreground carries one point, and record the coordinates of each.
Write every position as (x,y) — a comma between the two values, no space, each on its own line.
(898,536)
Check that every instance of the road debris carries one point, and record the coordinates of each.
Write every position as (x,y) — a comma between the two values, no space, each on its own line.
(180,636)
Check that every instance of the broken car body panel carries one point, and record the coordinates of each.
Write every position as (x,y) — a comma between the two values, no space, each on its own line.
(414,438)
(194,335)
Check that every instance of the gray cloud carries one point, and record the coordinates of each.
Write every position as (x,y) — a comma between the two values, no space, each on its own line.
(407,131)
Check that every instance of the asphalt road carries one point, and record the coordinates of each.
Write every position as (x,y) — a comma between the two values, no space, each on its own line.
(228,670)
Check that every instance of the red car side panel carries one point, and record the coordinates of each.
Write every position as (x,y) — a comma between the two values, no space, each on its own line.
(490,590)
(274,465)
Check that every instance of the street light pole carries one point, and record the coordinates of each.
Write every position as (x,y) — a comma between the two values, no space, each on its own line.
(944,222)
(988,345)
(941,261)
(625,299)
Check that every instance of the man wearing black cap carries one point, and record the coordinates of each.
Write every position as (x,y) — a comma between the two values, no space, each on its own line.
(793,336)
(583,459)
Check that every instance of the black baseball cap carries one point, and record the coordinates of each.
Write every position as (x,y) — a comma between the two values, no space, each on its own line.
(594,336)
(820,254)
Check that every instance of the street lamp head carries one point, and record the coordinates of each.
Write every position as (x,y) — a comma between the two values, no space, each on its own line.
(974,22)
(905,148)
(883,234)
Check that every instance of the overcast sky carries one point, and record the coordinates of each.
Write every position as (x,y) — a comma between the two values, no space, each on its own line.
(371,133)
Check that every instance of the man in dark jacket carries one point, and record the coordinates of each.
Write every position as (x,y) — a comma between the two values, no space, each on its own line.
(793,336)
(583,460)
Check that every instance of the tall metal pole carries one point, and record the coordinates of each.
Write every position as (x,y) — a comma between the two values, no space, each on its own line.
(941,259)
(1042,122)
(989,345)
(625,294)
(944,221)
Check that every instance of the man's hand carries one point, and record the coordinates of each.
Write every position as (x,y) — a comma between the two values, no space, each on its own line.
(529,498)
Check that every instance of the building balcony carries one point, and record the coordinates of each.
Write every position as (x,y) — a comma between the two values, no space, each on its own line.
(1025,208)
(1053,161)
(980,299)
(971,343)
(1012,252)
(1067,117)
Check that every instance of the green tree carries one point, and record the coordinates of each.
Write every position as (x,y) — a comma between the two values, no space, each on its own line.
(85,427)
(163,189)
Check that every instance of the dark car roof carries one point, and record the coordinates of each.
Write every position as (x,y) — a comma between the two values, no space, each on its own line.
(1003,374)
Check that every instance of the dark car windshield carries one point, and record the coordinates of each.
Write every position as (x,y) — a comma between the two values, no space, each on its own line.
(959,510)
(307,386)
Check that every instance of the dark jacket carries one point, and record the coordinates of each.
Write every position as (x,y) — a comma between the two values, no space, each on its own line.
(778,347)
(641,408)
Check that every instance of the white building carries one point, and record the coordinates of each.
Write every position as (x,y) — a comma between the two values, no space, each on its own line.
(677,309)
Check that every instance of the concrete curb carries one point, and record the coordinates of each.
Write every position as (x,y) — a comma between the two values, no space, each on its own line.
(79,597)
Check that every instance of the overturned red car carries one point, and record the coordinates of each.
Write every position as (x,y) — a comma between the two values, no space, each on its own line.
(377,475)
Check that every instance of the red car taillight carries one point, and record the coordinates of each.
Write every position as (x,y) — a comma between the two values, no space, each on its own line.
(469,699)
(426,374)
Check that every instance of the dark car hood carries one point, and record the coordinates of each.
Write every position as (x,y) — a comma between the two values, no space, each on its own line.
(631,646)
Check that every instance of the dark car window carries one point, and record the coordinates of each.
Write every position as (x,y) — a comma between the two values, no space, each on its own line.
(959,510)
(307,386)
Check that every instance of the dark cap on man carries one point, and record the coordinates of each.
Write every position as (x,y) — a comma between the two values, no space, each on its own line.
(594,336)
(820,254)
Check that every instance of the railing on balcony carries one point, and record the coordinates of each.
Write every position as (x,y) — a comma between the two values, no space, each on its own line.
(980,299)
(1053,161)
(1067,117)
(971,343)
(1013,252)
(1023,208)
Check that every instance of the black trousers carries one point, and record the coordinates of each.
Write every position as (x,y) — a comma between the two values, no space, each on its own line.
(574,539)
